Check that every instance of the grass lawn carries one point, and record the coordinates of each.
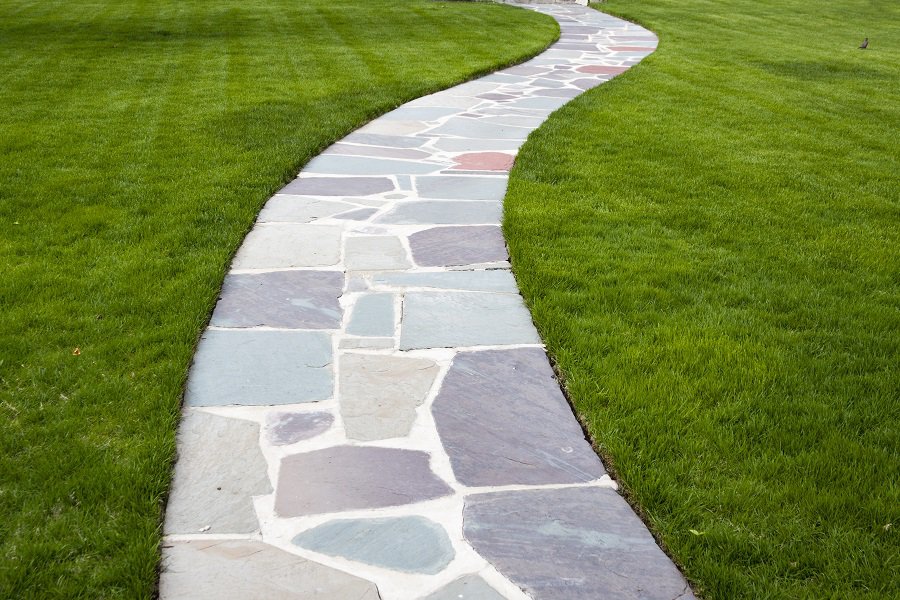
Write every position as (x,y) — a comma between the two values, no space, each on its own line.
(711,248)
(138,140)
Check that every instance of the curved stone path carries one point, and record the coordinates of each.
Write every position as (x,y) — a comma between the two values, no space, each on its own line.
(371,413)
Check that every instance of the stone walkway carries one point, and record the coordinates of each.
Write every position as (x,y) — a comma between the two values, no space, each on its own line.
(371,413)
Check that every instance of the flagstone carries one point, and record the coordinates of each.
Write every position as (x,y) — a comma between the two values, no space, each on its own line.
(283,428)
(219,470)
(444,212)
(378,151)
(419,113)
(526,434)
(495,280)
(487,161)
(570,544)
(450,319)
(290,299)
(374,253)
(360,214)
(354,477)
(477,129)
(363,165)
(217,569)
(469,587)
(466,145)
(373,315)
(450,187)
(379,394)
(281,245)
(234,366)
(448,246)
(378,139)
(299,209)
(409,544)
(339,186)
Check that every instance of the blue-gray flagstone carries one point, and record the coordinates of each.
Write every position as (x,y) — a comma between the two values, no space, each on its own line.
(452,187)
(449,319)
(233,367)
(444,212)
(494,280)
(469,587)
(352,165)
(283,428)
(373,315)
(571,544)
(503,420)
(289,299)
(408,544)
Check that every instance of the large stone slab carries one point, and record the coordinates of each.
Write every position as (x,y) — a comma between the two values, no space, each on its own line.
(503,420)
(570,544)
(495,280)
(284,428)
(220,569)
(444,212)
(453,319)
(408,544)
(459,187)
(359,165)
(289,299)
(219,470)
(283,245)
(379,394)
(373,315)
(453,246)
(339,186)
(469,587)
(300,209)
(240,367)
(375,253)
(353,477)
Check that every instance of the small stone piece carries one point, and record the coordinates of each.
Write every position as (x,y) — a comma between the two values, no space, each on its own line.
(219,470)
(283,428)
(291,299)
(469,587)
(571,543)
(379,394)
(217,569)
(282,245)
(407,544)
(339,186)
(453,319)
(373,315)
(375,253)
(449,246)
(353,477)
(503,420)
(234,367)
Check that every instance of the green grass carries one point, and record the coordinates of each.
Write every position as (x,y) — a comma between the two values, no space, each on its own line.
(711,248)
(138,140)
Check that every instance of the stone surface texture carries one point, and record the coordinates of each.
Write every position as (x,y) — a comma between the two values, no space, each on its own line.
(371,355)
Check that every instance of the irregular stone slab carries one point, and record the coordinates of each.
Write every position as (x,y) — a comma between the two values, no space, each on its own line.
(444,212)
(375,253)
(496,280)
(373,315)
(366,342)
(451,187)
(291,299)
(299,209)
(525,434)
(448,246)
(339,186)
(407,544)
(379,394)
(391,141)
(283,428)
(281,245)
(217,569)
(452,319)
(469,587)
(571,543)
(360,214)
(601,70)
(352,165)
(219,470)
(466,145)
(475,129)
(353,477)
(419,113)
(377,151)
(484,161)
(236,367)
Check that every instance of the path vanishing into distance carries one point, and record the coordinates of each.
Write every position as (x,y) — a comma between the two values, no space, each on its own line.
(371,413)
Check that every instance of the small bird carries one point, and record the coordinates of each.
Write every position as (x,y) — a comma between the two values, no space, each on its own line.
(865,44)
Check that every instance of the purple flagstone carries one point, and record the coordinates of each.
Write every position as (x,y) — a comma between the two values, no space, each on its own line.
(354,477)
(503,420)
(290,299)
(571,544)
(339,186)
(219,569)
(449,246)
(283,428)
